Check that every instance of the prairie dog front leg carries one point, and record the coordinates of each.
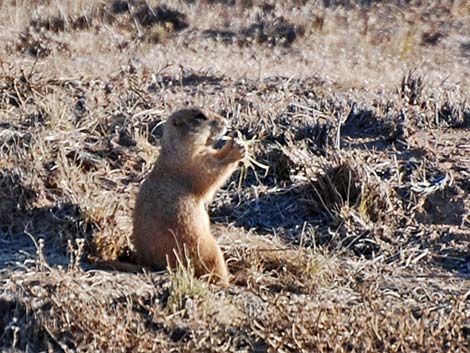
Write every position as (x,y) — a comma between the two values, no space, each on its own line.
(231,152)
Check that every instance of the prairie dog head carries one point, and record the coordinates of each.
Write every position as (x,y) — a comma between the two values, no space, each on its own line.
(192,128)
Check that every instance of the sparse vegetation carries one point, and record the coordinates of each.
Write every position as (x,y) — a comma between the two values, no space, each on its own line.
(347,230)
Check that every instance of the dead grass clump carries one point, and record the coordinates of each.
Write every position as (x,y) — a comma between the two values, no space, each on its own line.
(109,238)
(65,16)
(367,123)
(361,119)
(162,15)
(454,115)
(83,159)
(15,197)
(318,137)
(16,88)
(34,45)
(258,262)
(433,37)
(306,125)
(145,21)
(411,89)
(359,206)
(36,99)
(109,245)
(11,138)
(38,45)
(396,128)
(272,31)
(184,286)
(119,6)
(267,29)
(58,23)
(280,165)
(54,23)
(338,187)
(17,328)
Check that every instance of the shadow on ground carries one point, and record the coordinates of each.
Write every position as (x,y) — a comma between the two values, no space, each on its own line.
(22,224)
(281,212)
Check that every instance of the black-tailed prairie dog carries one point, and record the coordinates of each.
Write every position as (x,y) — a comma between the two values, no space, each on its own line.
(170,211)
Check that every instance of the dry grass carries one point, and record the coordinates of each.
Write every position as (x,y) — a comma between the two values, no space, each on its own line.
(347,231)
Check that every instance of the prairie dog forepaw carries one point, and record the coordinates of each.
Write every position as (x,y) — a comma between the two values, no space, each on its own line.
(238,151)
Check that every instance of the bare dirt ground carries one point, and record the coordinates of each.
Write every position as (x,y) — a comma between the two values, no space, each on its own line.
(350,232)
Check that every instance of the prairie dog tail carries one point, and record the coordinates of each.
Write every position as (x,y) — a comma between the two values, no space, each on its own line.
(120,266)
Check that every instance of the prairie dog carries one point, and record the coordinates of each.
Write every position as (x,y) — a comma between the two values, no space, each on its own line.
(170,211)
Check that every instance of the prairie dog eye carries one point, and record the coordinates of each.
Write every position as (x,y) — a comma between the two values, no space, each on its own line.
(200,117)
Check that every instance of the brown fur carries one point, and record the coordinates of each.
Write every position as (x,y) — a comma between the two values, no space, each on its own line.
(170,217)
